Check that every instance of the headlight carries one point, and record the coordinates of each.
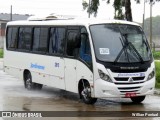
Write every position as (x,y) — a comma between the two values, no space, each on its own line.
(151,75)
(104,76)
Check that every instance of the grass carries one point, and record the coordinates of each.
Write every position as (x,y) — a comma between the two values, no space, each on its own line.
(156,55)
(1,53)
(157,74)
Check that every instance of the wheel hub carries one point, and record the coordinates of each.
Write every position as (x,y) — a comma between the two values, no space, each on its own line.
(86,93)
(28,83)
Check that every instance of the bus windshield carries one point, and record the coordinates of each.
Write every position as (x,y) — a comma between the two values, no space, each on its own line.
(120,43)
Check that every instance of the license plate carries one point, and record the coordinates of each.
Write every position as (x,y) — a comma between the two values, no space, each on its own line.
(128,95)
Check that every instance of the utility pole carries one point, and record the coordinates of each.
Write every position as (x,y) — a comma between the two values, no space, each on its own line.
(143,15)
(151,3)
(11,14)
(89,9)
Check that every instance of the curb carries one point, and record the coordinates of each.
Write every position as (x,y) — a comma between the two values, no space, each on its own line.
(1,59)
(157,91)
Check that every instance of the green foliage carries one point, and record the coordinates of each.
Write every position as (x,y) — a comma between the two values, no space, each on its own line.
(118,10)
(92,8)
(156,55)
(157,64)
(118,4)
(85,5)
(1,53)
(155,25)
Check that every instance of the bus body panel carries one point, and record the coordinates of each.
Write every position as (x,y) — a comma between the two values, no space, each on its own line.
(70,74)
(56,72)
(44,69)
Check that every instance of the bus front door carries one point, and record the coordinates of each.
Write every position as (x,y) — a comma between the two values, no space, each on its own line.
(70,74)
(70,62)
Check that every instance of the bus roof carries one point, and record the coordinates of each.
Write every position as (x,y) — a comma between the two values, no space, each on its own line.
(59,22)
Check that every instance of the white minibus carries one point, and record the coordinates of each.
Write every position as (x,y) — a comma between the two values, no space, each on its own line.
(94,58)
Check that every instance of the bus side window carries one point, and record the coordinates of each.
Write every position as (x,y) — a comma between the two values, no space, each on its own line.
(43,45)
(12,36)
(57,37)
(25,38)
(40,39)
(71,42)
(85,53)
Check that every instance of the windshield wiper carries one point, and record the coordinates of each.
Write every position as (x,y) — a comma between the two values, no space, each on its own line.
(135,50)
(123,49)
(125,45)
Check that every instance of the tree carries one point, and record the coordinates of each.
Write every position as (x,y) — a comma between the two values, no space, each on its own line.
(128,11)
(92,7)
(117,4)
(118,10)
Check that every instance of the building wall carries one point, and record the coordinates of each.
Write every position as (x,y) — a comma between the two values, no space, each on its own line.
(2,38)
(2,33)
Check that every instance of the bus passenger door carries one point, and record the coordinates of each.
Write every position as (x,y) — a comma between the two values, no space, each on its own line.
(56,48)
(70,61)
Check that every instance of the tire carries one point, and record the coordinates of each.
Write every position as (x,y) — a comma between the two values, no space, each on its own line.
(38,86)
(29,85)
(86,94)
(138,99)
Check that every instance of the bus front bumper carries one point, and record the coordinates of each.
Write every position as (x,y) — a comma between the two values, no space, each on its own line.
(104,89)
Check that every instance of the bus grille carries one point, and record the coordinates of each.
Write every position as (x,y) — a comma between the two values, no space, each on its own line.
(122,79)
(126,81)
(129,89)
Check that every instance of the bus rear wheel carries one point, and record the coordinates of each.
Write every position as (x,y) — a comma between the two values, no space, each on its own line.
(29,85)
(38,86)
(138,99)
(86,94)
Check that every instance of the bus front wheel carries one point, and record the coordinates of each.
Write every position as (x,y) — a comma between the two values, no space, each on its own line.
(138,99)
(86,94)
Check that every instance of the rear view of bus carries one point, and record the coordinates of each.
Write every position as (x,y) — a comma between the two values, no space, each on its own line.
(124,61)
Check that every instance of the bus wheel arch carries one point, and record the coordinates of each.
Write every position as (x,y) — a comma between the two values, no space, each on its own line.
(84,90)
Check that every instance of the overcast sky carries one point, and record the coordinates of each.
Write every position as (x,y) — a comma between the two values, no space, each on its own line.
(72,7)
